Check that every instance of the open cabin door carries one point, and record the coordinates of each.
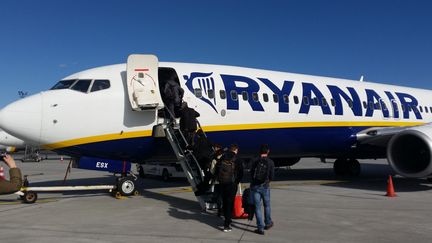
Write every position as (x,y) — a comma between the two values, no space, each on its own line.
(143,83)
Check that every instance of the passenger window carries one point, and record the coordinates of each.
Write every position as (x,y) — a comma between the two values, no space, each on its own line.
(234,95)
(100,85)
(324,101)
(198,93)
(377,106)
(296,100)
(275,98)
(306,100)
(409,108)
(371,105)
(63,84)
(421,109)
(265,97)
(430,108)
(395,106)
(222,94)
(315,101)
(211,94)
(255,96)
(426,109)
(245,95)
(350,103)
(332,101)
(384,106)
(286,98)
(82,85)
(364,104)
(403,107)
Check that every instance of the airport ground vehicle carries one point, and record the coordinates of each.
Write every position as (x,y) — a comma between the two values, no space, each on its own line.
(161,169)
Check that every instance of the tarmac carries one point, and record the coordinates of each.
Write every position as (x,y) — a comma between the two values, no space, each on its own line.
(309,204)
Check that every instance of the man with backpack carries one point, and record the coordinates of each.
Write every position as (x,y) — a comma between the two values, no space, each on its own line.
(262,172)
(188,123)
(173,95)
(229,171)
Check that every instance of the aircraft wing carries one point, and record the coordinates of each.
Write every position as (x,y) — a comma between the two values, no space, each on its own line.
(380,136)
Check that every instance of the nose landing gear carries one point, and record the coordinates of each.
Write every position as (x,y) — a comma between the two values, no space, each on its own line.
(350,167)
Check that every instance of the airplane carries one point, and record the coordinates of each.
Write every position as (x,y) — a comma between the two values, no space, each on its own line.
(111,112)
(9,143)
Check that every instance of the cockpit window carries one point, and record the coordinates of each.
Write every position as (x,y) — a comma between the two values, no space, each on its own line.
(82,85)
(100,85)
(63,84)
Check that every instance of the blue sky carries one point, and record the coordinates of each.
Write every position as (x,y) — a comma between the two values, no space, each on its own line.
(386,41)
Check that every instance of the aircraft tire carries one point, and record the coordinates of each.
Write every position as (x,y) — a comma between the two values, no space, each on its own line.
(126,186)
(354,167)
(29,197)
(340,167)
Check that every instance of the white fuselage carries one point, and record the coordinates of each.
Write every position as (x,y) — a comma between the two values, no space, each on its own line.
(311,115)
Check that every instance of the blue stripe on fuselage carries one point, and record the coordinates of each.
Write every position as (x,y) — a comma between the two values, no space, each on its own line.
(282,141)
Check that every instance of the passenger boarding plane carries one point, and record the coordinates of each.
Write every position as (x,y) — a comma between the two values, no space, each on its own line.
(111,112)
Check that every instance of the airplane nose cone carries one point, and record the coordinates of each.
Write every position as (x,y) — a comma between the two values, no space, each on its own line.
(23,118)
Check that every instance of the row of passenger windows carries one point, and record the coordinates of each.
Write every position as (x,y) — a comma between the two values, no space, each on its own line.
(83,85)
(306,101)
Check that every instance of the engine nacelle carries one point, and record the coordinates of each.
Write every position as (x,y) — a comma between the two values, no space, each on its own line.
(409,152)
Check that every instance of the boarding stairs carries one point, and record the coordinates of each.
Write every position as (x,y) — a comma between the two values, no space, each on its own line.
(194,173)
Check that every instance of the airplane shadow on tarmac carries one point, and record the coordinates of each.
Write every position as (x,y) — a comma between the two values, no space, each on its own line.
(373,177)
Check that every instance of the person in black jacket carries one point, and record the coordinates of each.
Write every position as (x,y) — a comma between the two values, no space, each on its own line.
(172,95)
(262,173)
(188,122)
(203,151)
(229,171)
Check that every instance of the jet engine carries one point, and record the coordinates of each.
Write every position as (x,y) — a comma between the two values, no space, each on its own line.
(409,152)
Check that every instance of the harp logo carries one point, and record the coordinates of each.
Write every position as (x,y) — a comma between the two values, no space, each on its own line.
(204,83)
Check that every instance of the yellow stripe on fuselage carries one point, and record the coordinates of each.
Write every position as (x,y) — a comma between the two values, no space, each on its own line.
(307,124)
(236,127)
(99,138)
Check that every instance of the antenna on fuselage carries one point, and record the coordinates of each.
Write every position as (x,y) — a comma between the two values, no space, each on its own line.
(361,78)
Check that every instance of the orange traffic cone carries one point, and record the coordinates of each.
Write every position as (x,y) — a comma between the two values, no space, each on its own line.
(2,173)
(390,189)
(238,211)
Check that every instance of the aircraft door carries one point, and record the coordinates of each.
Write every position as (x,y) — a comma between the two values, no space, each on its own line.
(142,82)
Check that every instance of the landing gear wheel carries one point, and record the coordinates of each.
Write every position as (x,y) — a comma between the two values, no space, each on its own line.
(136,193)
(29,197)
(165,175)
(353,167)
(340,167)
(126,186)
(141,171)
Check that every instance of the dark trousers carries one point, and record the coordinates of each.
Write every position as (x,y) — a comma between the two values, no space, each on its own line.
(217,197)
(228,192)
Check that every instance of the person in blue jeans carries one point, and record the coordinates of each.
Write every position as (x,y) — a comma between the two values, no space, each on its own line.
(262,173)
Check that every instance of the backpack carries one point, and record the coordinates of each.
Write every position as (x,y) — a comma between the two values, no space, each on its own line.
(169,91)
(261,171)
(226,172)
